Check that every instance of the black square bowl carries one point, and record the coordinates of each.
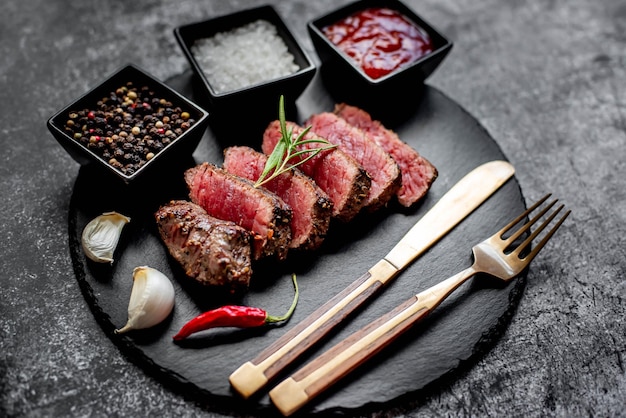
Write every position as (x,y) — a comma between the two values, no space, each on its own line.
(258,95)
(178,149)
(343,72)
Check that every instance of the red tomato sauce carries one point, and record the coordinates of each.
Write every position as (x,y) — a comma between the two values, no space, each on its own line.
(379,40)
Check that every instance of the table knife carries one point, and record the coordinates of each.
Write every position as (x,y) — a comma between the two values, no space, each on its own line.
(461,200)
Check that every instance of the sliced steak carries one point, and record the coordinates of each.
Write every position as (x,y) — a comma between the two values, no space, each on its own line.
(335,172)
(383,170)
(311,207)
(418,174)
(233,198)
(211,251)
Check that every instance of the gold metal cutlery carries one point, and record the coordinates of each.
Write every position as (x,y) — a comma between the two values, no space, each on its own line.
(461,200)
(504,255)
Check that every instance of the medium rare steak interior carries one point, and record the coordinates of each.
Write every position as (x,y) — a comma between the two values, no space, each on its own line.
(382,169)
(311,207)
(418,173)
(210,250)
(339,175)
(230,223)
(233,198)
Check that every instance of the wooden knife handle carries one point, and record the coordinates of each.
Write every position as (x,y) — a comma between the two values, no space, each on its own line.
(325,370)
(308,382)
(255,374)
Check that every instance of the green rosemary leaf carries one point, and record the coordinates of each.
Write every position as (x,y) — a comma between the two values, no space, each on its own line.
(312,153)
(286,149)
(314,141)
(273,161)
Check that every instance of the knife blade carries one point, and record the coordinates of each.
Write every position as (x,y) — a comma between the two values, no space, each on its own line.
(461,200)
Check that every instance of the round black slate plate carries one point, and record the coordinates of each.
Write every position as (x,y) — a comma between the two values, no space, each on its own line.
(463,328)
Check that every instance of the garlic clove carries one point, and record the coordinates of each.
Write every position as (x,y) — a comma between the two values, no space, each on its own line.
(101,235)
(151,299)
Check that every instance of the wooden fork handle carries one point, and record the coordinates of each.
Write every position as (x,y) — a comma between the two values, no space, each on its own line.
(325,370)
(255,374)
(294,392)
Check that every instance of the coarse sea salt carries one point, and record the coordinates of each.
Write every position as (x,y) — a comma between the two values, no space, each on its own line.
(244,56)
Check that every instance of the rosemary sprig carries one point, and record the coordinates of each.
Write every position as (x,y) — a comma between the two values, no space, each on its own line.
(287,149)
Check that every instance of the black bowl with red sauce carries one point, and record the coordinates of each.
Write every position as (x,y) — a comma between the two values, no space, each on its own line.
(378,47)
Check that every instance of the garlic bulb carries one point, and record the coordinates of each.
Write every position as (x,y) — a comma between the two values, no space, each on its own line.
(151,299)
(101,235)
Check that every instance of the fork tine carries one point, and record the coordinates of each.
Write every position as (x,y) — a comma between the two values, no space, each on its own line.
(515,221)
(547,237)
(527,225)
(526,243)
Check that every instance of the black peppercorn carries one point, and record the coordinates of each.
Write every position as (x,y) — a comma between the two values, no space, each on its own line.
(129,124)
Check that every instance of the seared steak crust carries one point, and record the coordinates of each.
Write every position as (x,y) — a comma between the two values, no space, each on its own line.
(311,207)
(341,177)
(383,170)
(211,251)
(233,198)
(418,173)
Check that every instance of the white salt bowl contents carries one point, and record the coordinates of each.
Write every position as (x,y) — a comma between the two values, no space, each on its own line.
(245,56)
(245,61)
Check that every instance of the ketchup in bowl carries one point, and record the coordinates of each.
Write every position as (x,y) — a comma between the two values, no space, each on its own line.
(379,40)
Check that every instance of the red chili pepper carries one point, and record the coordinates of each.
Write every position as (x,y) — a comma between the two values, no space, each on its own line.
(234,316)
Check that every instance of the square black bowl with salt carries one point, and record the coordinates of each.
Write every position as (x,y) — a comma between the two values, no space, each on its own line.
(246,60)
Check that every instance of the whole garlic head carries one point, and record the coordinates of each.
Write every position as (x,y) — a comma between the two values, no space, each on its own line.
(151,299)
(101,236)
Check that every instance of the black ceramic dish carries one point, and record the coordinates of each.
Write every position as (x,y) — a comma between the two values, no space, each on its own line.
(344,74)
(179,149)
(257,95)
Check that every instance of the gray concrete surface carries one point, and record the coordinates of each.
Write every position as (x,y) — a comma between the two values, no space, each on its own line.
(547,79)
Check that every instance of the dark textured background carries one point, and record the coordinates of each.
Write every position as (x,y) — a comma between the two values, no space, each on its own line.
(545,78)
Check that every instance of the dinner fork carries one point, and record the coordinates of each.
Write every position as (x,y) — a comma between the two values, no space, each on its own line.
(502,256)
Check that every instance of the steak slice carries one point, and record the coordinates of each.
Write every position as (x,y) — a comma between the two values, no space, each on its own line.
(335,172)
(233,198)
(383,170)
(311,207)
(418,174)
(211,251)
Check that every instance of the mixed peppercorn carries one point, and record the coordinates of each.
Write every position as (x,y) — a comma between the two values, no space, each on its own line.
(129,127)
